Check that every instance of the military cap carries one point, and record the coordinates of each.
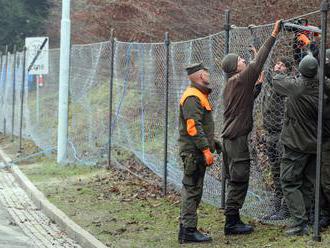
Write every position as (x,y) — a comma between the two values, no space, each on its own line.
(229,63)
(195,67)
(308,66)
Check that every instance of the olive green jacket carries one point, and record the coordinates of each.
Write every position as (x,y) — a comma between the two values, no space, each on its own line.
(196,125)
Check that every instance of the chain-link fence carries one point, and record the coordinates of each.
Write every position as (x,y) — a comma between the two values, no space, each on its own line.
(138,114)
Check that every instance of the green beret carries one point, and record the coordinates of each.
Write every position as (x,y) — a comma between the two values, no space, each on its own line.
(195,67)
(229,63)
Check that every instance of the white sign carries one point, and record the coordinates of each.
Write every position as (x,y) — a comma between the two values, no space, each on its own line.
(33,45)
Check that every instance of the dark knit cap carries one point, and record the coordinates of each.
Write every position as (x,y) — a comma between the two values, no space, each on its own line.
(308,66)
(229,63)
(195,67)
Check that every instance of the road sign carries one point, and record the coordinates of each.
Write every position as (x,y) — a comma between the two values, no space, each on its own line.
(33,45)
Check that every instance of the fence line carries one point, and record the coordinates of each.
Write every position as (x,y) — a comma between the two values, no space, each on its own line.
(141,73)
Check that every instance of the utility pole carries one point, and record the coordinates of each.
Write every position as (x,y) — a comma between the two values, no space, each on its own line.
(63,106)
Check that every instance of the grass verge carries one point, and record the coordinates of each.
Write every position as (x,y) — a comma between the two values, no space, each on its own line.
(123,210)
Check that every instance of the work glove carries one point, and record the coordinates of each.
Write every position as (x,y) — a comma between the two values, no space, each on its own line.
(303,40)
(277,28)
(208,156)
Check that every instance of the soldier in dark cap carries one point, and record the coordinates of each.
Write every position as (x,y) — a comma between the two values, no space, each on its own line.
(238,105)
(196,145)
(273,108)
(299,136)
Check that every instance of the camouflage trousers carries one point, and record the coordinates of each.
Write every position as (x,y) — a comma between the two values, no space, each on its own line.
(237,165)
(325,180)
(274,152)
(297,180)
(192,187)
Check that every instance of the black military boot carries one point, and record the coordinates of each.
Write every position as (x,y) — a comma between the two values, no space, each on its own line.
(192,235)
(180,233)
(298,230)
(310,216)
(234,225)
(324,222)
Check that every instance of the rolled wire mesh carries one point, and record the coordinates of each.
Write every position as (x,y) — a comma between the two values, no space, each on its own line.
(138,113)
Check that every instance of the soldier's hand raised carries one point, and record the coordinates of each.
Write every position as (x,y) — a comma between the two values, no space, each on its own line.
(277,28)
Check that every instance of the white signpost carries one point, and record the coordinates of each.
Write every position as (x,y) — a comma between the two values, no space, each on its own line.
(37,61)
(33,45)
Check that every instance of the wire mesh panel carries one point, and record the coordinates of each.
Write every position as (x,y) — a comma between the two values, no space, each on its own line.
(89,103)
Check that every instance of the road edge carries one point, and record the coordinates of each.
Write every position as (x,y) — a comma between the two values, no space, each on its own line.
(72,229)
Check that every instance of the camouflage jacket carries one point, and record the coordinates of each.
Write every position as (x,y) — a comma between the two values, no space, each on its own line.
(196,125)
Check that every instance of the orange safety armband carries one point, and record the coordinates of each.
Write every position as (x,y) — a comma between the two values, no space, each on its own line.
(191,128)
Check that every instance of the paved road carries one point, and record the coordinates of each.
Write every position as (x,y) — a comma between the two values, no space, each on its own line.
(22,224)
(11,235)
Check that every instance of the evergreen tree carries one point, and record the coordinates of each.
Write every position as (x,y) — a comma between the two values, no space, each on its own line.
(20,19)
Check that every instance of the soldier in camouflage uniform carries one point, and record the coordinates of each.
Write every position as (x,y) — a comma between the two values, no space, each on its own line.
(273,114)
(196,143)
(299,137)
(238,106)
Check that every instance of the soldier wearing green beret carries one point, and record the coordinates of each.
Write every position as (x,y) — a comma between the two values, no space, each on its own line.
(196,145)
(238,105)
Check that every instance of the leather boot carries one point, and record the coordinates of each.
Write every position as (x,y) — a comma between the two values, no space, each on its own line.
(324,222)
(234,225)
(298,230)
(180,233)
(192,235)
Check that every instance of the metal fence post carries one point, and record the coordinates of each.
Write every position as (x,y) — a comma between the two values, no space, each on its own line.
(167,47)
(14,97)
(4,92)
(1,54)
(22,101)
(324,13)
(223,173)
(111,97)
